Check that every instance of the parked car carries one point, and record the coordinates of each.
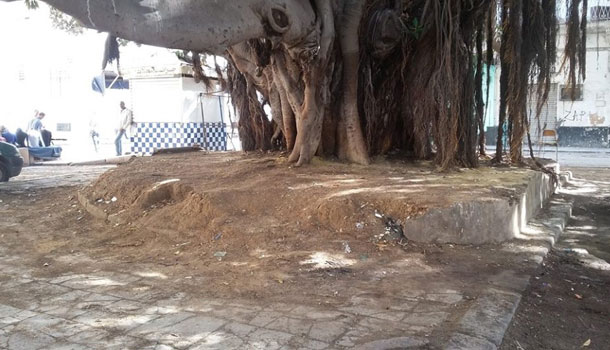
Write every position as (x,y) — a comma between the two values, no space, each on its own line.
(11,161)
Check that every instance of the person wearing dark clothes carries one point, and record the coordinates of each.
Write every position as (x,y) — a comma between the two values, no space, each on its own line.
(21,138)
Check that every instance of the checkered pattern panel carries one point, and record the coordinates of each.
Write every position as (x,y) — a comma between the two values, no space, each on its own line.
(152,136)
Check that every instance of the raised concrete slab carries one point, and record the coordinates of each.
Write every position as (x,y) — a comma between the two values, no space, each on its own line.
(483,221)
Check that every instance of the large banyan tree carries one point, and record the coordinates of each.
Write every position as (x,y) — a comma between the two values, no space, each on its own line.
(357,78)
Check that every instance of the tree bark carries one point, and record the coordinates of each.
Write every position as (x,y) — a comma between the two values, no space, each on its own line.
(197,25)
(351,145)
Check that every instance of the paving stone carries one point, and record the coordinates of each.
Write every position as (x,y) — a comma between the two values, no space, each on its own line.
(393,343)
(39,323)
(219,341)
(4,334)
(189,331)
(161,322)
(66,312)
(465,342)
(281,307)
(197,324)
(17,317)
(490,316)
(352,336)
(268,339)
(404,305)
(21,340)
(448,298)
(67,346)
(239,329)
(99,297)
(109,320)
(327,331)
(263,318)
(291,325)
(85,282)
(91,335)
(159,347)
(307,344)
(373,324)
(390,316)
(235,314)
(426,318)
(122,342)
(66,298)
(6,310)
(360,310)
(431,307)
(126,306)
(64,278)
(315,314)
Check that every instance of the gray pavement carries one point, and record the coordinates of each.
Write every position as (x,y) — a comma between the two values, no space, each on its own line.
(134,306)
(46,176)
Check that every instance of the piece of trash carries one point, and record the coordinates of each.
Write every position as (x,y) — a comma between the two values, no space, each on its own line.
(378,215)
(177,252)
(220,254)
(347,248)
(45,264)
(360,225)
(188,277)
(280,281)
(578,296)
(113,199)
(100,200)
(587,343)
(218,236)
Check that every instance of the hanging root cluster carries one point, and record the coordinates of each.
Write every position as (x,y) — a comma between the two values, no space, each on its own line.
(374,77)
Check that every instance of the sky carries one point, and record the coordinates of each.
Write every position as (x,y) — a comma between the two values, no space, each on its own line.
(49,70)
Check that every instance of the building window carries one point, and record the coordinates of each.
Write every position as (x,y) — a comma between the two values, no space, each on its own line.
(64,127)
(567,95)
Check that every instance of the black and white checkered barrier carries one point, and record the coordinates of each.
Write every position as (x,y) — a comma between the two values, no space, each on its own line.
(152,136)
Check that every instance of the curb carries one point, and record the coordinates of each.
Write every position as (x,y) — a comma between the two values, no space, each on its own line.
(483,220)
(95,211)
(485,323)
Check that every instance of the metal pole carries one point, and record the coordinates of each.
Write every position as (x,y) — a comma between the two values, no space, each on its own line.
(205,139)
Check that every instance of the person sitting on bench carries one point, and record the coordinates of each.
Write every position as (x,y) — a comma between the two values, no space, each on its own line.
(7,135)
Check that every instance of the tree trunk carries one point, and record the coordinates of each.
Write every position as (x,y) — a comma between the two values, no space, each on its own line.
(351,145)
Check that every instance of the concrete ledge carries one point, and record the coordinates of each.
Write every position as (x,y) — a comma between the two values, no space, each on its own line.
(111,160)
(96,211)
(482,221)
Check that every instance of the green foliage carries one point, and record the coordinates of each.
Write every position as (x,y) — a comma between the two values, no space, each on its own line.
(64,22)
(31,4)
(415,28)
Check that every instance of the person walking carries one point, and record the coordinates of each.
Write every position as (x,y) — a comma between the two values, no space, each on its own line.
(34,130)
(125,122)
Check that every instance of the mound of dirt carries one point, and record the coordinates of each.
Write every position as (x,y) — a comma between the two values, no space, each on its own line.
(235,201)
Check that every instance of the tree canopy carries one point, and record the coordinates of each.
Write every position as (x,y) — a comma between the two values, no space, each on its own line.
(358,78)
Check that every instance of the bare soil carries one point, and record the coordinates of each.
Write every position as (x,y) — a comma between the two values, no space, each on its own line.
(254,227)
